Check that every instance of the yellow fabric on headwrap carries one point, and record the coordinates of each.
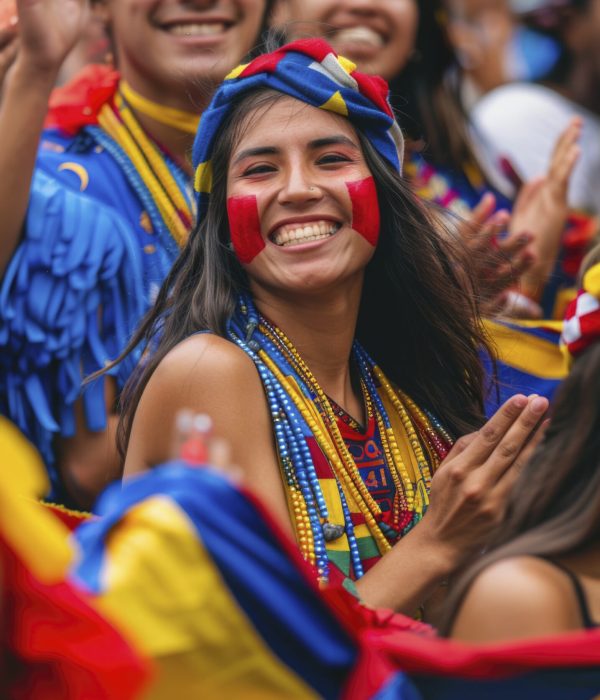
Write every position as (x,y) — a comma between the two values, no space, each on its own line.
(204,177)
(591,280)
(336,104)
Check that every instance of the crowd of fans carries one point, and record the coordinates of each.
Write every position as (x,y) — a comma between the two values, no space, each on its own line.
(213,215)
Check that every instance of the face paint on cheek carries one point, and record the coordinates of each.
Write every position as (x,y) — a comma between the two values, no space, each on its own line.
(244,226)
(365,209)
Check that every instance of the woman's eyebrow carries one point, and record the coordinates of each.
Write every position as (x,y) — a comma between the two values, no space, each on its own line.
(332,141)
(259,151)
(336,140)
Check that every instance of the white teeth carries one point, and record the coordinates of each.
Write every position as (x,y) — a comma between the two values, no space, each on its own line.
(360,35)
(294,234)
(199,29)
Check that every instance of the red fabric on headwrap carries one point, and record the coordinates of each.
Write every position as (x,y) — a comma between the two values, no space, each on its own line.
(315,48)
(78,103)
(262,64)
(582,319)
(376,89)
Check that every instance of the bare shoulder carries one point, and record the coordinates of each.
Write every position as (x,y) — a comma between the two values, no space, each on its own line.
(203,374)
(204,358)
(517,598)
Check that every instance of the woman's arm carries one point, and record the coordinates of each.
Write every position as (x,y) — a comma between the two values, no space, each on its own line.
(208,374)
(541,209)
(467,501)
(48,29)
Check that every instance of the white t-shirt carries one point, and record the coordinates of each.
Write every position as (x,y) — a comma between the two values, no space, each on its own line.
(522,122)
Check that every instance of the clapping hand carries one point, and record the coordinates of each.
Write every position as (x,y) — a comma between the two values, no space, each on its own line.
(541,210)
(469,491)
(497,258)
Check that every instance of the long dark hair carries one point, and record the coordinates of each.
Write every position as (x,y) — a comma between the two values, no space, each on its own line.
(418,317)
(554,509)
(428,105)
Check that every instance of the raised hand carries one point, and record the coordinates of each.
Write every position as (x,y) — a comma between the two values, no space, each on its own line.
(470,489)
(48,30)
(541,209)
(497,261)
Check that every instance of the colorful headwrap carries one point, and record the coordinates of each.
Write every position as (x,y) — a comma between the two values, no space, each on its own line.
(310,71)
(582,319)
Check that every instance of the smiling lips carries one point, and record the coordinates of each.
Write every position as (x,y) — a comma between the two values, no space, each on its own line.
(295,234)
(361,35)
(197,29)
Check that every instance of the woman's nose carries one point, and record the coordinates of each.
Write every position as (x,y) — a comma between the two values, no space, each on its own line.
(299,187)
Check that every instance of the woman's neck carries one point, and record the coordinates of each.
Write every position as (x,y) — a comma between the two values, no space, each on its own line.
(322,331)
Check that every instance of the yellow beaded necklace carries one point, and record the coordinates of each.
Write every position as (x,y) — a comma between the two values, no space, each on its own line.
(326,430)
(119,122)
(339,524)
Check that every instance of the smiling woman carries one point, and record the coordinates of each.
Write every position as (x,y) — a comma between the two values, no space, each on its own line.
(378,34)
(309,258)
(327,177)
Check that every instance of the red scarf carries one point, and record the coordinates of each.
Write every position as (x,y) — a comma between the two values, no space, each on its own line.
(78,103)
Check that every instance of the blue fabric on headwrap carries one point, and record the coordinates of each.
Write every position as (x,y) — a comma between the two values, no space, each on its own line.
(310,71)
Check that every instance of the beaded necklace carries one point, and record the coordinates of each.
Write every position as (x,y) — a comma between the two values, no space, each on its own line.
(149,167)
(301,411)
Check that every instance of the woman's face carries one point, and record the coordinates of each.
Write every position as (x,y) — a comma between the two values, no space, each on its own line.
(378,35)
(168,49)
(302,206)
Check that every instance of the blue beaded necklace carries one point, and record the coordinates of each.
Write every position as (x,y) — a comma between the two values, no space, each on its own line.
(292,432)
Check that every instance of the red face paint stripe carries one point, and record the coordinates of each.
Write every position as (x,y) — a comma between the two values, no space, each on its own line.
(244,226)
(365,209)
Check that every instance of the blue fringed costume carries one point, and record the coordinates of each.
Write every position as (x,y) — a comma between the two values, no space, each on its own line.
(94,252)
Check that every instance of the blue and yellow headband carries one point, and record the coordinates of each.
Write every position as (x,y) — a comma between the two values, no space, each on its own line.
(310,71)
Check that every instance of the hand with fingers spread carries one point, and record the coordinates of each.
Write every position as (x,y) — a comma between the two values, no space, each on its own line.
(48,30)
(468,498)
(541,210)
(470,490)
(497,261)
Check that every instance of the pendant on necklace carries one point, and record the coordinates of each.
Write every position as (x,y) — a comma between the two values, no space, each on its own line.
(332,532)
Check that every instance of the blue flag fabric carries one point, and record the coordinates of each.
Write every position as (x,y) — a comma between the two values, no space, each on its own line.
(317,642)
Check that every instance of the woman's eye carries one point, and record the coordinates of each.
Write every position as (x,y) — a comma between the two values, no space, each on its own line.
(332,158)
(259,169)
